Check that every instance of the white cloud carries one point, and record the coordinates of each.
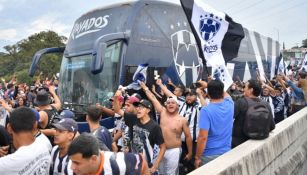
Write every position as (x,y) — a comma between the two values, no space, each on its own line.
(48,22)
(8,34)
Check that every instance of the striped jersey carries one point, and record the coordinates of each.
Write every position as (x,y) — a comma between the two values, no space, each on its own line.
(191,113)
(59,165)
(121,163)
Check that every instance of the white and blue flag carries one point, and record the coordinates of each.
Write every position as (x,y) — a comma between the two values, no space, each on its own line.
(304,65)
(139,75)
(217,36)
(281,67)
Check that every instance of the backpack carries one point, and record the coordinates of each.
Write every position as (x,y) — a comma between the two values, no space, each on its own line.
(257,121)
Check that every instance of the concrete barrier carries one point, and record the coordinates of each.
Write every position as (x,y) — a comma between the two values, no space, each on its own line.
(283,152)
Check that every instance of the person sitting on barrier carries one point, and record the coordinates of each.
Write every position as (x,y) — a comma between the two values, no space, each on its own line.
(173,126)
(214,138)
(88,159)
(93,117)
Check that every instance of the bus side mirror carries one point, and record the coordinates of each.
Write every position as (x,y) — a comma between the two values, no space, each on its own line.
(100,47)
(98,58)
(38,55)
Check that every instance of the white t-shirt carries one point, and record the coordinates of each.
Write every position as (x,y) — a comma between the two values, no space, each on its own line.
(27,160)
(43,139)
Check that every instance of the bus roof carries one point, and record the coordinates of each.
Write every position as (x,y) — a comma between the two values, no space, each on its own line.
(126,2)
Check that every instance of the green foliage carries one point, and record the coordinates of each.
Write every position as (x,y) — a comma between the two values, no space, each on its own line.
(304,43)
(23,77)
(19,56)
(295,47)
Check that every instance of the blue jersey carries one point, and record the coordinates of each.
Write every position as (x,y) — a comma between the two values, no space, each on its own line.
(104,137)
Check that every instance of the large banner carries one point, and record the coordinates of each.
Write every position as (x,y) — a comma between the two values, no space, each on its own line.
(217,35)
(304,64)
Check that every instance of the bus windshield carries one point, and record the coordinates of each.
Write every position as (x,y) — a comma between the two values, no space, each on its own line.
(79,87)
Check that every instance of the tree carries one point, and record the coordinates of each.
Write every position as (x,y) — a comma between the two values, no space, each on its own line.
(304,43)
(19,57)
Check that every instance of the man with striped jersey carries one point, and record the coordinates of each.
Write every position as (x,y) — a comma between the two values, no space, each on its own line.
(87,159)
(66,130)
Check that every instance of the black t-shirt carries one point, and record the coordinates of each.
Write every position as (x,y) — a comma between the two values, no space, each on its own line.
(241,107)
(149,133)
(4,137)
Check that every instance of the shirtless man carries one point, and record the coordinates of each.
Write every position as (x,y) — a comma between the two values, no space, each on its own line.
(172,125)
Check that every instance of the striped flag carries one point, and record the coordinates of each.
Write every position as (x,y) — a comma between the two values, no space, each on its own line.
(217,35)
(281,66)
(304,65)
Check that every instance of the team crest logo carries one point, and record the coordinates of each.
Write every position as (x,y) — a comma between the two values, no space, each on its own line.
(209,26)
(185,55)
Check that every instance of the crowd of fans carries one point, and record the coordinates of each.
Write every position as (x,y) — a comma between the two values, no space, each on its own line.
(169,129)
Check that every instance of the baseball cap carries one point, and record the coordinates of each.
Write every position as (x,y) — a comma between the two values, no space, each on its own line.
(144,103)
(133,99)
(67,124)
(67,114)
(37,117)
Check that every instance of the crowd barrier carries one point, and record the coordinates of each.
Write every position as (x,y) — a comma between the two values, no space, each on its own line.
(283,152)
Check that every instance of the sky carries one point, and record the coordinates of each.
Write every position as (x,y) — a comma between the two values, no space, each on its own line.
(283,20)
